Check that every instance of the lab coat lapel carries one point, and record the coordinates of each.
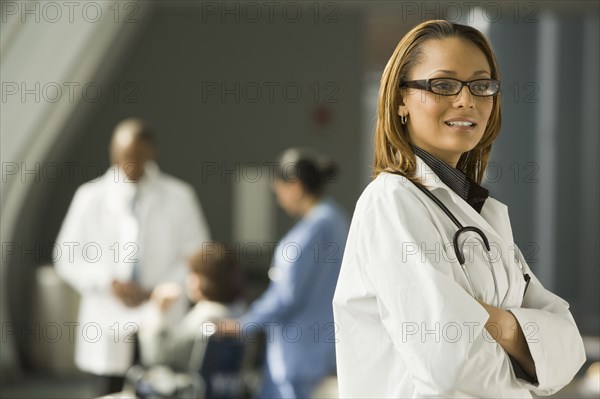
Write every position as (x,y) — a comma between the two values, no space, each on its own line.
(494,214)
(150,197)
(118,192)
(493,221)
(470,217)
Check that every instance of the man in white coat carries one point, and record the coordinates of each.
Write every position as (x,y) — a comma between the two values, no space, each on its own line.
(124,233)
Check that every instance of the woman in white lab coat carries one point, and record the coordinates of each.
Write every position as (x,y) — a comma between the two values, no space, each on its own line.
(411,321)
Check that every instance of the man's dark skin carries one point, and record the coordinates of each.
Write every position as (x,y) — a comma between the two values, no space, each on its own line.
(130,151)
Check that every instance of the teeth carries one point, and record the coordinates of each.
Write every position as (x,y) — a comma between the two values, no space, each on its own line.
(459,123)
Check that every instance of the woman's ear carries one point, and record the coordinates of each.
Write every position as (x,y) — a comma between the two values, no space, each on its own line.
(297,188)
(402,109)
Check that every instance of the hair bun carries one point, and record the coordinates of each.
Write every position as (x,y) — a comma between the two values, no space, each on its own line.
(328,169)
(312,169)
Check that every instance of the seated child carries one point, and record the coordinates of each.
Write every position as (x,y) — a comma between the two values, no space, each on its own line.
(214,284)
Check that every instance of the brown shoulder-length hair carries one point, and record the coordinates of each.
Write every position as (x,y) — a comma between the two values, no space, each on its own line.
(393,152)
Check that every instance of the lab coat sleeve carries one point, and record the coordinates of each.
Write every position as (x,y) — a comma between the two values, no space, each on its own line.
(433,323)
(290,283)
(194,234)
(82,274)
(554,341)
(195,227)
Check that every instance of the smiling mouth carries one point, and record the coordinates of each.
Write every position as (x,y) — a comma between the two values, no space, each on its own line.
(460,124)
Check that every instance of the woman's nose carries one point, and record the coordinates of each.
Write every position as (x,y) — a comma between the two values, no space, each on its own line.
(464,99)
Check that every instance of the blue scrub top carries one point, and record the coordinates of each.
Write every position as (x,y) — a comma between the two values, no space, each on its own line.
(296,311)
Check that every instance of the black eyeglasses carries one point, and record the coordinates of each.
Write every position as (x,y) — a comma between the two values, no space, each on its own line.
(451,87)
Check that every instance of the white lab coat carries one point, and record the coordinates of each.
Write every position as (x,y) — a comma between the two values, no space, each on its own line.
(407,325)
(100,229)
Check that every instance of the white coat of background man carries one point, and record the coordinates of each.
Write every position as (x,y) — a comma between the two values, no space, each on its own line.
(124,233)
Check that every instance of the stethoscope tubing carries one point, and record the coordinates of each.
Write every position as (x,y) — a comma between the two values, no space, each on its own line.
(457,249)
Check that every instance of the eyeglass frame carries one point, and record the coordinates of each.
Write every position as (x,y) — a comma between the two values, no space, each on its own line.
(425,84)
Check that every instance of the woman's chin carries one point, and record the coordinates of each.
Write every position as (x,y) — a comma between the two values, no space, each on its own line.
(462,144)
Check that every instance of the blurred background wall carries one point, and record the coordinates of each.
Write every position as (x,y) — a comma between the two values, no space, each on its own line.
(228,85)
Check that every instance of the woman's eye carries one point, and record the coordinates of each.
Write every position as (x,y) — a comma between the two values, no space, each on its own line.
(442,86)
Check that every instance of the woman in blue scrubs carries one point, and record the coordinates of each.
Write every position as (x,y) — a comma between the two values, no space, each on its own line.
(295,311)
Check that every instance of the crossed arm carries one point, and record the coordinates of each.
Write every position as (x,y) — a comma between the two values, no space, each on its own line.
(505,329)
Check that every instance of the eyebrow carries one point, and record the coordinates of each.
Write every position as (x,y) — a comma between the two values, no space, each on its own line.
(481,72)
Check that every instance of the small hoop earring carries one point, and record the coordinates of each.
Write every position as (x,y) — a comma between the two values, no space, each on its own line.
(403,119)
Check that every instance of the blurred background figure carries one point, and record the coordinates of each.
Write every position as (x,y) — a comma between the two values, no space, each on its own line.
(182,354)
(142,223)
(295,311)
(214,285)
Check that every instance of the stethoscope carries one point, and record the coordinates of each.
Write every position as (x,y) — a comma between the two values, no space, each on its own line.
(461,256)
